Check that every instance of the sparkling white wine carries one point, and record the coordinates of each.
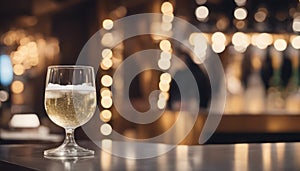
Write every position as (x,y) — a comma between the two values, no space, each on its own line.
(70,108)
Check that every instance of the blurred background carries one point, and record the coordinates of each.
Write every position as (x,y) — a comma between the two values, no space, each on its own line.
(257,41)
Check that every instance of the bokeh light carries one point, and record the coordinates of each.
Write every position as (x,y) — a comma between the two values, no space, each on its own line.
(201,13)
(107,24)
(240,13)
(17,87)
(106,80)
(107,53)
(166,8)
(19,69)
(164,64)
(105,115)
(165,45)
(106,129)
(296,42)
(3,96)
(280,44)
(106,102)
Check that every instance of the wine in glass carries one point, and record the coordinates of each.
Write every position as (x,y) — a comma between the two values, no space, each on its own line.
(70,101)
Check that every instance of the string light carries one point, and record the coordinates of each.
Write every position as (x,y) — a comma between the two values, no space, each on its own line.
(107,24)
(166,8)
(107,53)
(165,45)
(105,92)
(164,64)
(105,115)
(106,129)
(106,102)
(106,80)
(165,77)
(106,63)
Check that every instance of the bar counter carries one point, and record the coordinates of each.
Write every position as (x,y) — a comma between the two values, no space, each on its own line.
(232,157)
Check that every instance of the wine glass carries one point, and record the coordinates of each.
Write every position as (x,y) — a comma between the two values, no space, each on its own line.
(70,101)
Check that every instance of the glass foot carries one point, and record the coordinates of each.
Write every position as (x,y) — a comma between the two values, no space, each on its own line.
(66,152)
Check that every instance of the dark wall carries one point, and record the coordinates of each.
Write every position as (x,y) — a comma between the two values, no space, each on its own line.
(73,27)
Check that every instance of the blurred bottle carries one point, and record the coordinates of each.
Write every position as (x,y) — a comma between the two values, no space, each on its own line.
(275,100)
(235,90)
(292,105)
(255,95)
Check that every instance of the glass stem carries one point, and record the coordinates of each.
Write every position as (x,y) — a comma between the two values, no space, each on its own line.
(69,140)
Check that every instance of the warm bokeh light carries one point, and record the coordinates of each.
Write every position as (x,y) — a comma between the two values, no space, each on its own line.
(240,2)
(161,103)
(107,24)
(165,55)
(17,57)
(19,69)
(164,86)
(105,92)
(164,64)
(165,77)
(280,44)
(240,24)
(222,23)
(166,8)
(201,2)
(296,42)
(260,15)
(201,13)
(107,39)
(168,18)
(107,53)
(17,87)
(218,47)
(106,80)
(240,13)
(218,37)
(106,102)
(262,41)
(164,95)
(165,45)
(105,115)
(240,39)
(234,85)
(3,96)
(106,63)
(240,49)
(296,24)
(166,26)
(200,53)
(106,129)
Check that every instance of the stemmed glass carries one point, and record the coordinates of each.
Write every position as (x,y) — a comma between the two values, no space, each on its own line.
(70,101)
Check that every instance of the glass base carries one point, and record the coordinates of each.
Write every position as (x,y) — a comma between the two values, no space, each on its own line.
(69,152)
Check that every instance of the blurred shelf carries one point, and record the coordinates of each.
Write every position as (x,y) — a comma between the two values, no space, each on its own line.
(231,129)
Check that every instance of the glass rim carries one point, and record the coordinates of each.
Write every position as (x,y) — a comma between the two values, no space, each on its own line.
(71,66)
